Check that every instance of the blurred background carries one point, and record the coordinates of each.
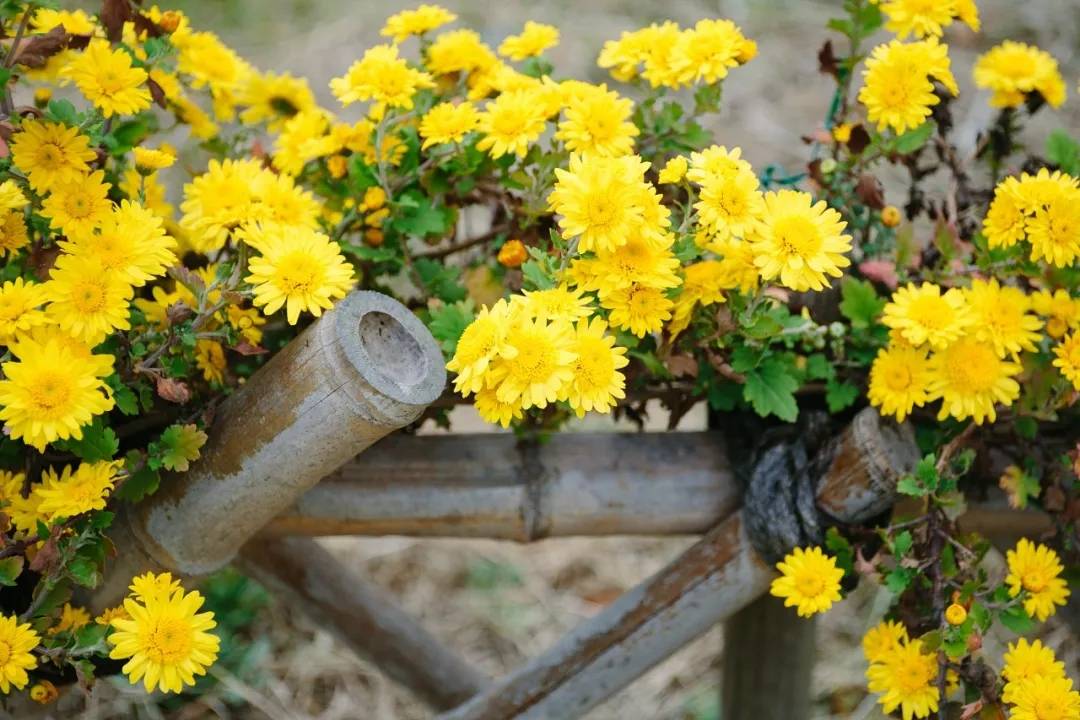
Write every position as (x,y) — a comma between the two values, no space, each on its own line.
(499,603)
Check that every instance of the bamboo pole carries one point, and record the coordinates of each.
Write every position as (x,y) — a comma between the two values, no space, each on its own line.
(580,484)
(365,369)
(305,574)
(708,583)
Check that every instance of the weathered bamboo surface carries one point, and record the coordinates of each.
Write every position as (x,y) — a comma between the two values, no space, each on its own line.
(712,580)
(582,484)
(363,370)
(493,486)
(307,576)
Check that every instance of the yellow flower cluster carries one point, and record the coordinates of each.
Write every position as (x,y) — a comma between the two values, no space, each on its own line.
(901,671)
(666,56)
(1042,210)
(1036,685)
(958,345)
(1014,71)
(162,635)
(898,82)
(925,19)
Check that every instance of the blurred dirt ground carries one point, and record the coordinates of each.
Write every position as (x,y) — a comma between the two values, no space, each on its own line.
(497,602)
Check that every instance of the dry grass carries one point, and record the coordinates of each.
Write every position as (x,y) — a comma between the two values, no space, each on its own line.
(500,603)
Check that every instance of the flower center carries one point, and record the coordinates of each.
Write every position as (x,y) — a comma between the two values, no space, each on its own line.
(810,585)
(50,391)
(898,377)
(971,368)
(299,273)
(5,653)
(797,236)
(931,312)
(168,641)
(88,298)
(535,360)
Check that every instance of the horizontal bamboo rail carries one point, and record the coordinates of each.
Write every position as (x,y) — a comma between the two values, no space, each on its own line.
(712,580)
(363,370)
(580,484)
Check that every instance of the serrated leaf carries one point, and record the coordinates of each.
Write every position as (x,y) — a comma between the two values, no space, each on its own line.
(98,442)
(418,216)
(898,579)
(859,302)
(448,322)
(1063,151)
(770,389)
(1017,620)
(1019,486)
(442,281)
(536,277)
(84,572)
(179,445)
(902,543)
(840,395)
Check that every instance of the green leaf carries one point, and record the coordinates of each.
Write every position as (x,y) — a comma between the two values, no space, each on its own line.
(770,389)
(841,549)
(140,483)
(860,302)
(10,568)
(902,543)
(924,481)
(818,367)
(536,277)
(840,395)
(418,216)
(84,572)
(178,446)
(898,579)
(1017,620)
(1063,151)
(914,139)
(63,111)
(361,175)
(98,443)
(442,281)
(448,322)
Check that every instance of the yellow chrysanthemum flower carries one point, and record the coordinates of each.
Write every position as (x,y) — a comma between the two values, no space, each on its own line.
(284,202)
(706,52)
(907,679)
(598,200)
(597,383)
(717,161)
(703,285)
(1000,317)
(153,586)
(1025,661)
(448,123)
(883,639)
(75,491)
(77,207)
(50,393)
(17,642)
(87,300)
(1061,310)
(639,261)
(20,308)
(664,63)
(1005,223)
(1013,70)
(737,261)
(492,410)
(50,153)
(13,235)
(971,378)
(165,639)
(109,614)
(76,22)
(897,89)
(71,618)
(510,123)
(809,581)
(674,171)
(925,18)
(422,20)
(800,242)
(298,268)
(640,309)
(273,98)
(558,303)
(534,39)
(211,63)
(1045,698)
(107,79)
(12,196)
(382,77)
(1054,230)
(210,360)
(731,205)
(22,511)
(923,314)
(150,159)
(536,363)
(1036,570)
(598,123)
(899,379)
(1066,358)
(459,51)
(220,200)
(131,244)
(304,137)
(483,340)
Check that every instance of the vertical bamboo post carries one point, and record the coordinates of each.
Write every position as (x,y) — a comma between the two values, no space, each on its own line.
(366,368)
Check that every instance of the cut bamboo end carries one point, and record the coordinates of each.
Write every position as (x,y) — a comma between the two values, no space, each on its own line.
(366,368)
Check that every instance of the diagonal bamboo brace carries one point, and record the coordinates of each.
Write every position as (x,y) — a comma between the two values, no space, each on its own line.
(712,580)
(365,369)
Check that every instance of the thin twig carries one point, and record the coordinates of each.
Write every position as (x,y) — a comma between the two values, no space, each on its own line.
(464,244)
